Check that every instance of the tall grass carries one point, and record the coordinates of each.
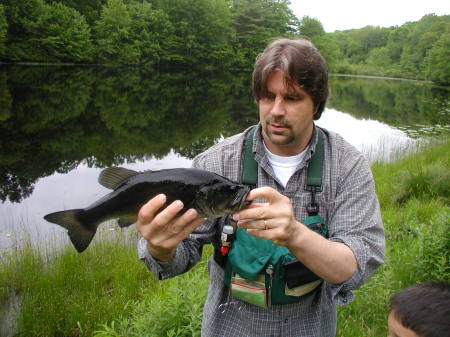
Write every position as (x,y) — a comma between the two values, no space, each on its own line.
(173,308)
(107,291)
(70,294)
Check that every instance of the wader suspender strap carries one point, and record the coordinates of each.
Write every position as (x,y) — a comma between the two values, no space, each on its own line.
(250,169)
(314,177)
(314,170)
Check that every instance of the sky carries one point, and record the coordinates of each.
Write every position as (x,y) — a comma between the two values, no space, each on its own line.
(350,14)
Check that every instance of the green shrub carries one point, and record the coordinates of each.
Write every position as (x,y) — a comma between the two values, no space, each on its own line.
(429,181)
(173,308)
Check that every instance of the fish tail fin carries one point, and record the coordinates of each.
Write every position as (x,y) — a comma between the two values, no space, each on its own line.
(80,233)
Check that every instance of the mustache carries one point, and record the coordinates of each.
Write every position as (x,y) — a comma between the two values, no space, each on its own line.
(281,121)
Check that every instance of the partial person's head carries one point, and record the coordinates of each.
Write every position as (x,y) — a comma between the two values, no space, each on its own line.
(422,310)
(300,63)
(290,85)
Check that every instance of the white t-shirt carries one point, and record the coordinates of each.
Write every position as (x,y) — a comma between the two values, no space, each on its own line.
(284,167)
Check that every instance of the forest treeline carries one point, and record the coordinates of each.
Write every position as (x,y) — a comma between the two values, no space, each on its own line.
(211,33)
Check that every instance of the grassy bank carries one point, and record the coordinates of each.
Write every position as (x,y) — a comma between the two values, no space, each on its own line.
(106,291)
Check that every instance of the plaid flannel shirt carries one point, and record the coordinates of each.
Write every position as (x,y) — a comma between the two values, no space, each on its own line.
(349,206)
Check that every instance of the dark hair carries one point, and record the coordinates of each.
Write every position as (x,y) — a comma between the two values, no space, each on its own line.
(300,62)
(424,308)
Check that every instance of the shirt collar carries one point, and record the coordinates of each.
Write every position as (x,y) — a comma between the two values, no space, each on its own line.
(260,153)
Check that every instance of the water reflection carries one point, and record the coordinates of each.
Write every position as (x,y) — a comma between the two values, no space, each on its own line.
(376,140)
(59,118)
(417,108)
(60,125)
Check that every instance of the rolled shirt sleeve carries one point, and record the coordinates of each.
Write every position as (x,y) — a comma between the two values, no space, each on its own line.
(187,254)
(356,222)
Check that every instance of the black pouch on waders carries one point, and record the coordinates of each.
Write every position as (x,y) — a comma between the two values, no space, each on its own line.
(262,273)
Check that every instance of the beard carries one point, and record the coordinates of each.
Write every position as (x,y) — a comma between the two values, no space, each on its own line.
(284,137)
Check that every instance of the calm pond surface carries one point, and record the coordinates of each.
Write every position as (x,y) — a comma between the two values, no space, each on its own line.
(59,126)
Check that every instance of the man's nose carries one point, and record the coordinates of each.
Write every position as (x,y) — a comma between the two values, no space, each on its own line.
(278,106)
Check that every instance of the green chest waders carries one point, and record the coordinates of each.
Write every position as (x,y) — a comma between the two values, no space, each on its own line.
(260,272)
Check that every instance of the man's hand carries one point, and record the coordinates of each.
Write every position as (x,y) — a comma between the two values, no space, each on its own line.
(166,229)
(273,220)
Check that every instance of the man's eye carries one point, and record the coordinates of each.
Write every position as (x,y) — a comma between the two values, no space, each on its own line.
(270,96)
(292,98)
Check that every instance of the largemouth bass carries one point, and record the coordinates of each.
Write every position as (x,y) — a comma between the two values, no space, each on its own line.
(210,194)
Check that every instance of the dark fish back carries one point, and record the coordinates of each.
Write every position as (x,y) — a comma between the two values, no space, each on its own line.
(176,184)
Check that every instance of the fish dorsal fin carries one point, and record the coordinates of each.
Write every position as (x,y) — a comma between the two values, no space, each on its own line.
(112,177)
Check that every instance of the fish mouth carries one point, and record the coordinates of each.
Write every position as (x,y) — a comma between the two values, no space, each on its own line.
(241,199)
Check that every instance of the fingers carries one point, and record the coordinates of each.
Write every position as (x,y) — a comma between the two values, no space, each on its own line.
(267,193)
(255,211)
(262,210)
(168,214)
(148,211)
(165,228)
(261,225)
(275,232)
(168,222)
(186,223)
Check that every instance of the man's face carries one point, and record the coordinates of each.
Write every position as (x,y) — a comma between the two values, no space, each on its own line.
(396,329)
(286,116)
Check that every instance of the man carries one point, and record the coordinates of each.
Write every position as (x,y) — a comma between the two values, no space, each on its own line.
(422,310)
(290,86)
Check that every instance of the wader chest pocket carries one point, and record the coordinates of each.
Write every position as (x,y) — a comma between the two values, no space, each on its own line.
(299,279)
(296,274)
(250,291)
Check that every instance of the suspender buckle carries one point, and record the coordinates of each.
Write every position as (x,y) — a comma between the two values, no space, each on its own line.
(313,207)
(313,189)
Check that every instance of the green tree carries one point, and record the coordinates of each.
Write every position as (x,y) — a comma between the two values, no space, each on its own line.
(397,51)
(132,33)
(202,33)
(437,61)
(379,57)
(396,41)
(259,21)
(421,38)
(312,29)
(113,35)
(355,44)
(64,34)
(150,32)
(39,32)
(23,36)
(90,9)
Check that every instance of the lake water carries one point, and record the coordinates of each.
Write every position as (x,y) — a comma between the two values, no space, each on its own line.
(59,126)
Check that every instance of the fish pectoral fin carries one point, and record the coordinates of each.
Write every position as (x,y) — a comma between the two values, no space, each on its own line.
(125,222)
(112,177)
